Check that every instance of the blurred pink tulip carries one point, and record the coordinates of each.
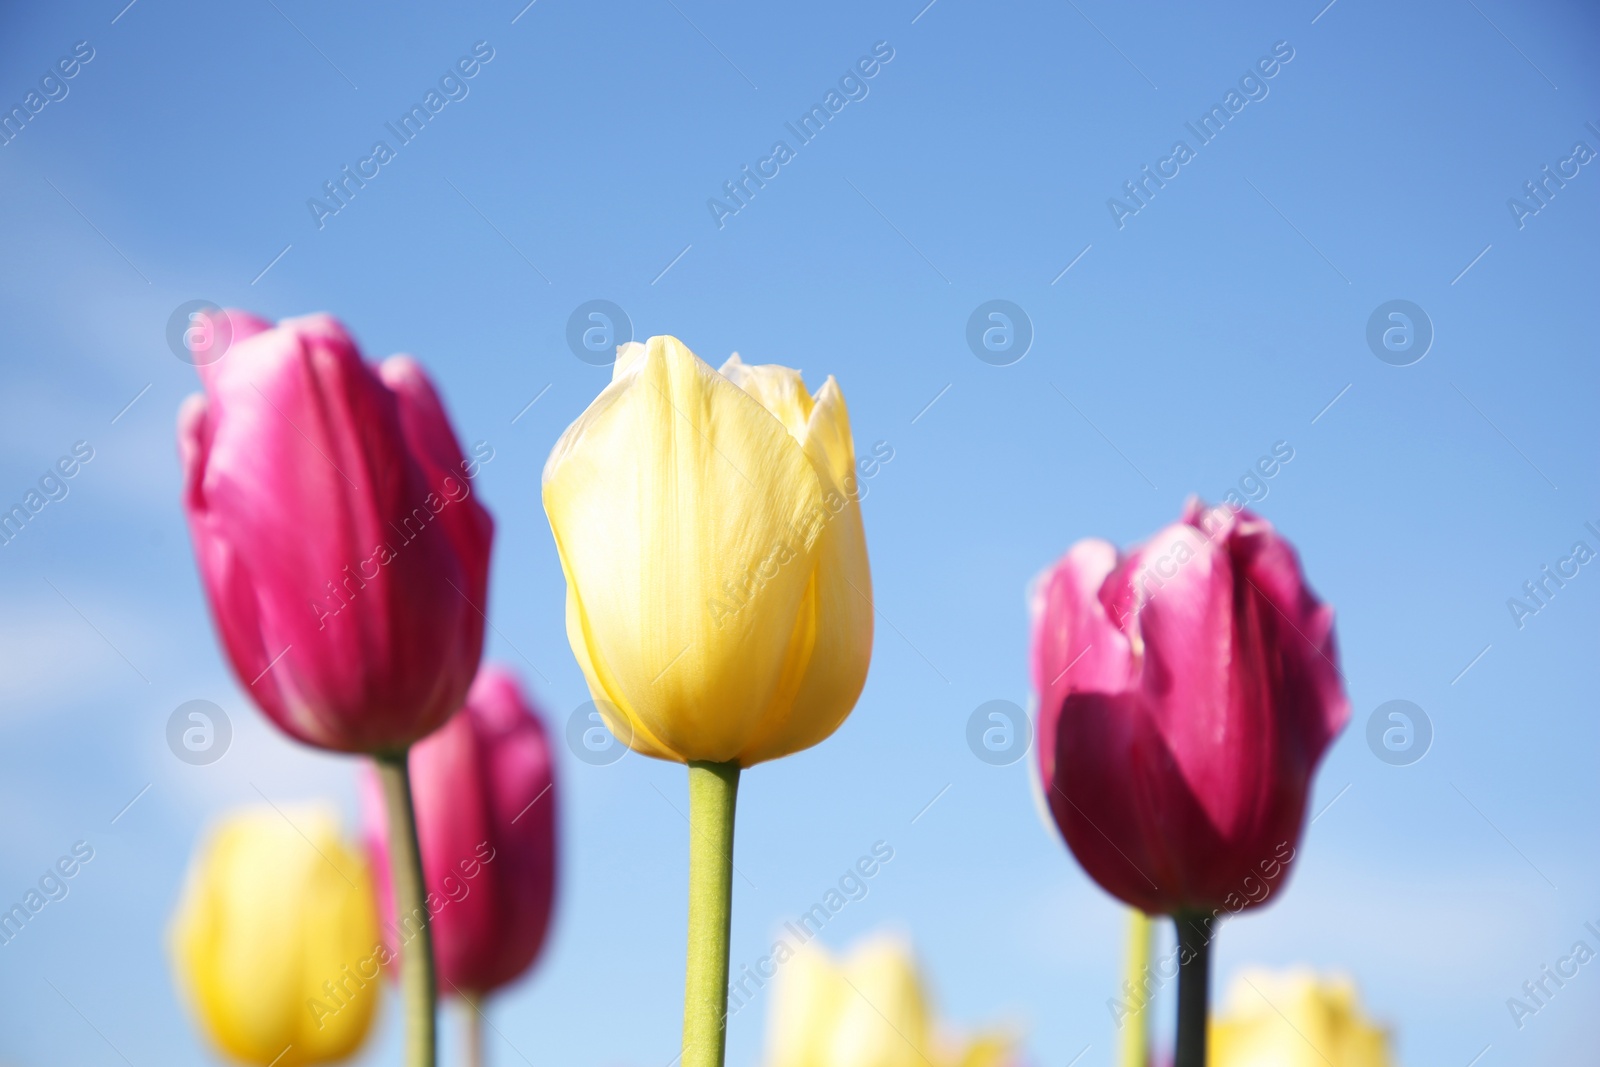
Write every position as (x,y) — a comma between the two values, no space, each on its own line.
(343,552)
(1187,692)
(483,789)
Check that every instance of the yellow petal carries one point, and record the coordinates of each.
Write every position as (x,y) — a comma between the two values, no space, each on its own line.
(808,998)
(266,917)
(1292,1019)
(841,592)
(678,505)
(779,389)
(885,1020)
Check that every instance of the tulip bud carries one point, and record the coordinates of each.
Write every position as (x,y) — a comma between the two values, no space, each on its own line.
(868,1010)
(709,526)
(275,939)
(1295,1019)
(484,795)
(1187,692)
(343,552)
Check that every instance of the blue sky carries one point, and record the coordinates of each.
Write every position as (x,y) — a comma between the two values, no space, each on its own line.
(1225,315)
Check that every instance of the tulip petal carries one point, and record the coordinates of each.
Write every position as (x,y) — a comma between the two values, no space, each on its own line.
(1076,643)
(676,500)
(841,592)
(779,389)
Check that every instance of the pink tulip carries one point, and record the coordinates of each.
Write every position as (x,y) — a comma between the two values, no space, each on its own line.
(343,553)
(1187,692)
(483,791)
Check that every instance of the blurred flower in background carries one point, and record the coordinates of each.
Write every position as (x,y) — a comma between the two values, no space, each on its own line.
(1295,1019)
(275,938)
(869,1009)
(485,798)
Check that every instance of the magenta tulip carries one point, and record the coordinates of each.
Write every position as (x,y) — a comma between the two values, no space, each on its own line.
(1187,692)
(486,821)
(341,547)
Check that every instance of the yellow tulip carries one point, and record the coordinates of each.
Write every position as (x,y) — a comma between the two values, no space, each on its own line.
(709,526)
(869,1010)
(275,939)
(1295,1019)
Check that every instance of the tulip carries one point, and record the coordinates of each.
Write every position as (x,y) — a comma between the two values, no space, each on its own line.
(1187,692)
(486,821)
(1295,1019)
(342,552)
(868,1010)
(718,594)
(275,939)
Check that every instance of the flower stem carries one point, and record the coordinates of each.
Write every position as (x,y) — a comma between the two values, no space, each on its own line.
(411,912)
(1135,1040)
(713,789)
(1194,987)
(472,1030)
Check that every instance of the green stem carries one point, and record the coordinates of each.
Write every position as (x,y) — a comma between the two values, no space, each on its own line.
(411,912)
(1194,987)
(1135,1039)
(713,789)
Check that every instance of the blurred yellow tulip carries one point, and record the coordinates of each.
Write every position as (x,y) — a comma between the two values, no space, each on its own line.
(1295,1019)
(868,1010)
(275,939)
(709,526)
